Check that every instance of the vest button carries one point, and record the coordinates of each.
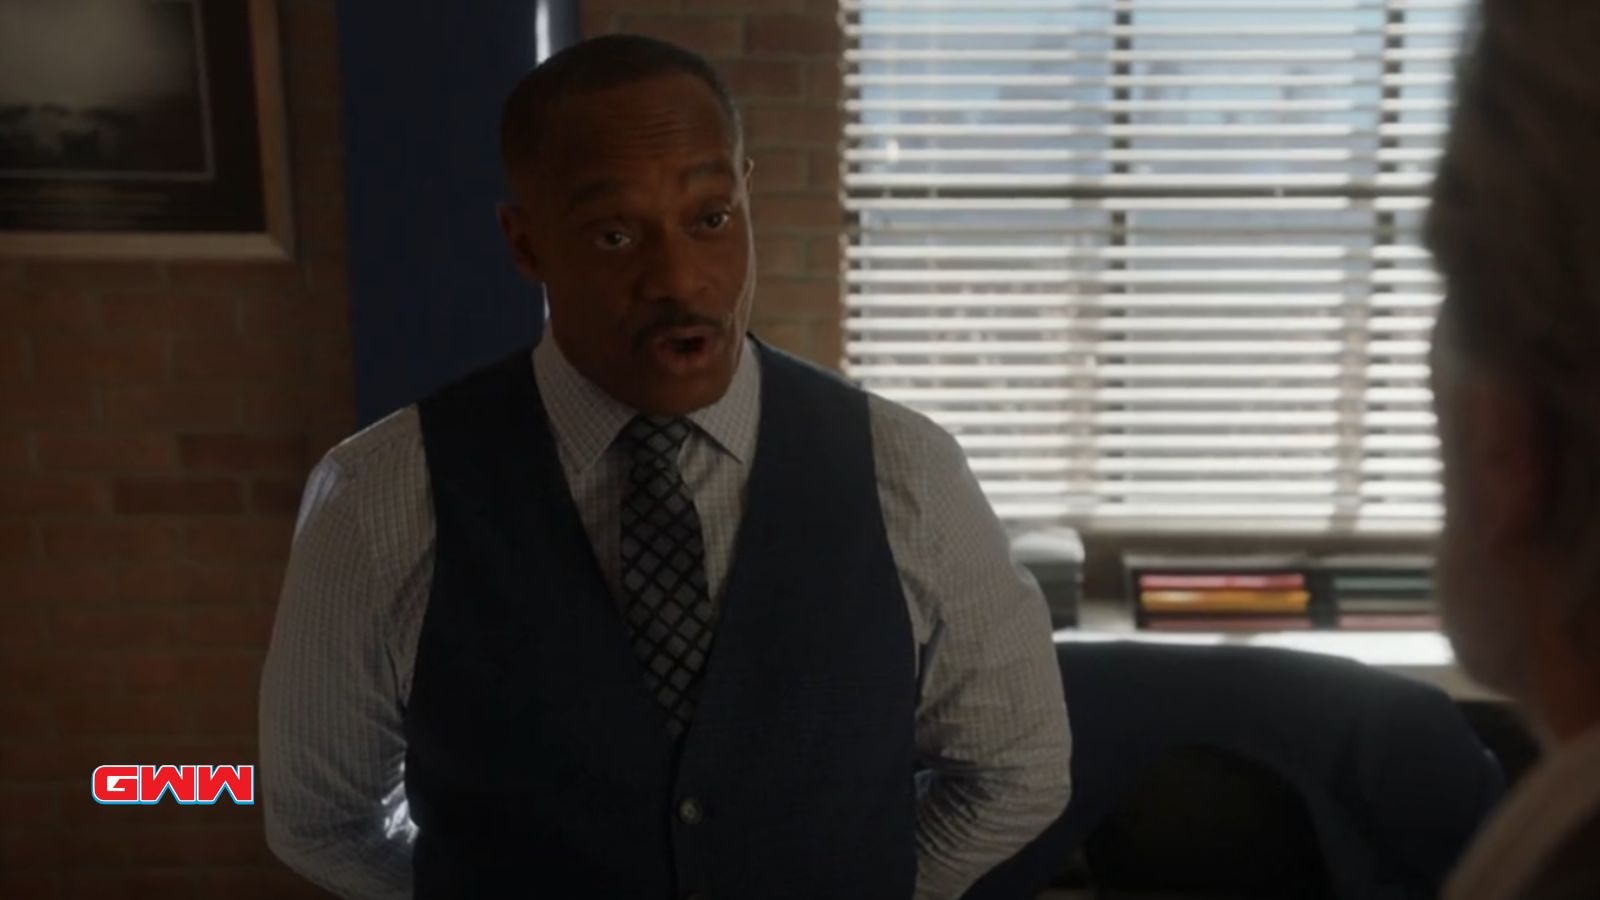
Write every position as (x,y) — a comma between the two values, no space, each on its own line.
(690,812)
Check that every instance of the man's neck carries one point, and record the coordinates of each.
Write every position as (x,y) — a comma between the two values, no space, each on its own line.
(1568,686)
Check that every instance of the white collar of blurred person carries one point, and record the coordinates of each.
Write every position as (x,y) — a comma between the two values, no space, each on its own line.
(1556,800)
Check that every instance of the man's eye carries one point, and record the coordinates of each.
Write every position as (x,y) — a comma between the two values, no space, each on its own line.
(613,240)
(717,220)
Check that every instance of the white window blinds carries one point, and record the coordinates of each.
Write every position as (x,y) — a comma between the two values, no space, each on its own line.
(1155,263)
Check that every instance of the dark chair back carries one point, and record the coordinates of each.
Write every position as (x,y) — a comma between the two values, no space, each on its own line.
(1390,777)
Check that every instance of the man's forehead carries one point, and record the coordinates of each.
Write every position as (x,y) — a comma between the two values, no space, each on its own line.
(666,110)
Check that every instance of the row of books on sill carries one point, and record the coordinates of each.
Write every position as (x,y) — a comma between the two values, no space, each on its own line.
(1383,593)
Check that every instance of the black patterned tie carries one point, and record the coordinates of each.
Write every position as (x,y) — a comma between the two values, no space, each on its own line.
(668,607)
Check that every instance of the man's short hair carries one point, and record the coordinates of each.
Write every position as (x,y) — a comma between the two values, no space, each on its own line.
(1515,231)
(595,65)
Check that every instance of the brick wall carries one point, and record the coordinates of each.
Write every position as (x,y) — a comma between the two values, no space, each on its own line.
(782,60)
(157,420)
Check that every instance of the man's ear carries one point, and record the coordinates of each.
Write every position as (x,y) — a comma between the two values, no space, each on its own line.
(1512,460)
(749,172)
(517,228)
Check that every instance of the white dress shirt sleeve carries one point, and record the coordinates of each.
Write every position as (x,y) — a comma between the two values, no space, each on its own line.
(991,722)
(332,748)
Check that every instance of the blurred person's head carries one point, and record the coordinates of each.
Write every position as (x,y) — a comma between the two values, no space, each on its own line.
(630,188)
(1515,231)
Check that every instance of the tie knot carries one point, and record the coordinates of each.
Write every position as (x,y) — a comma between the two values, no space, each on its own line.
(656,437)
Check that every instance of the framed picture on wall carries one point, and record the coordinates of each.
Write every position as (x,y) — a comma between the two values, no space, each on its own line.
(142,129)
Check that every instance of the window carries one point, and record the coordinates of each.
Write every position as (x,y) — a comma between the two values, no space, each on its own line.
(1155,263)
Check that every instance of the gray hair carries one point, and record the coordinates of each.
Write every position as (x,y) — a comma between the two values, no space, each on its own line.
(1515,231)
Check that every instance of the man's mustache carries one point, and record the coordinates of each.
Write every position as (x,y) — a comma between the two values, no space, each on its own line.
(677,318)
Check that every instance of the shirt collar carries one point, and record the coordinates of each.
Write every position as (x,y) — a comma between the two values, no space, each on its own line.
(1552,801)
(587,420)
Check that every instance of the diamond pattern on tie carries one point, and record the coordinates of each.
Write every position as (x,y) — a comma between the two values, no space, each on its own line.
(668,606)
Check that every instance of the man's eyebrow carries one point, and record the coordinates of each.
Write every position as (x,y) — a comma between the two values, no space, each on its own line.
(591,191)
(711,168)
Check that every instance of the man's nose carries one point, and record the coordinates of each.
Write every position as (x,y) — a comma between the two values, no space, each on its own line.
(672,270)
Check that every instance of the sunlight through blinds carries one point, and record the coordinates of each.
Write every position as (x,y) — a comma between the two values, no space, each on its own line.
(1155,263)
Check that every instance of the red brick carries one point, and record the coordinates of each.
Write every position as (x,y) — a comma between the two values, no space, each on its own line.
(14,361)
(100,358)
(317,175)
(176,406)
(224,714)
(50,583)
(245,540)
(241,358)
(268,884)
(792,35)
(294,406)
(791,126)
(109,629)
(124,883)
(26,716)
(244,452)
(113,539)
(311,26)
(170,313)
(710,36)
(229,628)
(825,80)
(827,344)
(98,846)
(50,495)
(812,298)
(47,310)
(132,715)
(332,358)
(321,226)
(598,21)
(14,453)
(764,79)
(824,167)
(275,496)
(781,255)
(17,540)
(200,845)
(789,337)
(825,257)
(31,403)
(177,497)
(229,675)
(107,452)
(164,582)
(33,849)
(278,277)
(778,169)
(328,277)
(30,806)
(797,211)
(94,274)
(35,760)
(58,674)
(20,627)
(625,6)
(32,885)
(294,317)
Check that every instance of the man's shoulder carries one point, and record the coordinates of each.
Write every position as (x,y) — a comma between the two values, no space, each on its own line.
(910,438)
(1572,872)
(386,447)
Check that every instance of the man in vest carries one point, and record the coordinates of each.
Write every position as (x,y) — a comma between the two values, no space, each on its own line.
(655,610)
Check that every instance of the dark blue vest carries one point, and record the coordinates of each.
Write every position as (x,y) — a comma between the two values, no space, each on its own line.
(538,766)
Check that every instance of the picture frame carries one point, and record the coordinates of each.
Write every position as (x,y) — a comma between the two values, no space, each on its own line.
(143,129)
